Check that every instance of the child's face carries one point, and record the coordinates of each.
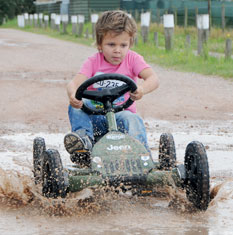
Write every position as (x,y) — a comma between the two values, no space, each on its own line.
(115,47)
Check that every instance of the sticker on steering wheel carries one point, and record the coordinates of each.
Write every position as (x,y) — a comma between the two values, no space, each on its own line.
(93,104)
(108,84)
(98,105)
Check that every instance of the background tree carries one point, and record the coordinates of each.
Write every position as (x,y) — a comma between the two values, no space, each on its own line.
(11,8)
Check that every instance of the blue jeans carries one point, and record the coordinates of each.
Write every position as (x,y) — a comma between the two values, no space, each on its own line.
(96,125)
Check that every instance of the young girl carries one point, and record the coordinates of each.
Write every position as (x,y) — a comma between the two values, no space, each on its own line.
(115,32)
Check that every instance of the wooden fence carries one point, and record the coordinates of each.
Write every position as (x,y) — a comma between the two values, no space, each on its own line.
(60,23)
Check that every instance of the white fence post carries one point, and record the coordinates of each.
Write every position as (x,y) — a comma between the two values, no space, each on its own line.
(168,23)
(94,18)
(26,19)
(145,23)
(46,21)
(74,21)
(53,19)
(203,30)
(57,22)
(41,20)
(81,20)
(31,17)
(21,22)
(65,19)
(35,16)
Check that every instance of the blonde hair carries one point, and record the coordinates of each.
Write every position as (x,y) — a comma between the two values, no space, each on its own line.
(117,22)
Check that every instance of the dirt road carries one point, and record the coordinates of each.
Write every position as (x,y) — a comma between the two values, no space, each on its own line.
(34,71)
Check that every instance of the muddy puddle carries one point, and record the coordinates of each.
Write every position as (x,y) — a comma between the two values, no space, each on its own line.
(24,211)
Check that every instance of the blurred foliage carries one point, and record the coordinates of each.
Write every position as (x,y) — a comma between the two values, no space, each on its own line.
(11,8)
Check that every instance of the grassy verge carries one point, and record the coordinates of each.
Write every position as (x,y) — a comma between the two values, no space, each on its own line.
(180,58)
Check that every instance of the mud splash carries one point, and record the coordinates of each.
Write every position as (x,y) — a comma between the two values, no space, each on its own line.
(104,212)
(15,190)
(23,209)
(19,191)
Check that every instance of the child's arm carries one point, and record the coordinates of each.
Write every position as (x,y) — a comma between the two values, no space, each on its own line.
(72,88)
(150,83)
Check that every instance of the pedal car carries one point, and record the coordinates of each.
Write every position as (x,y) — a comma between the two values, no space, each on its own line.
(120,161)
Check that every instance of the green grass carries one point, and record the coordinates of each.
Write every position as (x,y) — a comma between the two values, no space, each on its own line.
(180,58)
(184,60)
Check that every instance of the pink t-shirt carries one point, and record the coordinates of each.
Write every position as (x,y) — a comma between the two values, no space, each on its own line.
(131,66)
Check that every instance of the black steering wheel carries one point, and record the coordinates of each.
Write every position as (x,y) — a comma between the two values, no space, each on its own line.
(106,95)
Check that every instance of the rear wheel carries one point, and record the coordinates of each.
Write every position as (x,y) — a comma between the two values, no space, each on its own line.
(167,151)
(197,175)
(38,150)
(54,178)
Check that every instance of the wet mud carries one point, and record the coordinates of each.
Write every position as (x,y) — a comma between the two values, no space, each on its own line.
(104,211)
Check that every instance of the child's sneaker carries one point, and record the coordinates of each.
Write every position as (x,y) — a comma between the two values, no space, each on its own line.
(74,143)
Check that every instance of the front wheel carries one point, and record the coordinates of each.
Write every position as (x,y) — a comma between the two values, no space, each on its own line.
(197,175)
(54,178)
(167,151)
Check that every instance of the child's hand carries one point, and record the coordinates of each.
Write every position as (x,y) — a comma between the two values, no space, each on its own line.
(76,103)
(72,88)
(138,94)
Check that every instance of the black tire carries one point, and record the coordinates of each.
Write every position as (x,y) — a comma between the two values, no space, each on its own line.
(197,175)
(54,178)
(167,151)
(82,160)
(38,150)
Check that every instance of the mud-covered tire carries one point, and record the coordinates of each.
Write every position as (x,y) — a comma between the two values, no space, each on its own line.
(38,149)
(82,160)
(197,175)
(167,151)
(54,178)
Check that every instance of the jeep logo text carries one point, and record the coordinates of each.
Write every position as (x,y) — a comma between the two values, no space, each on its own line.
(117,148)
